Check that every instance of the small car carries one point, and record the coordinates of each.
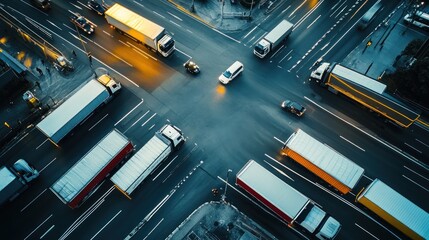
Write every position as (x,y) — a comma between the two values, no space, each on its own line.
(233,71)
(44,5)
(83,23)
(191,67)
(293,107)
(96,7)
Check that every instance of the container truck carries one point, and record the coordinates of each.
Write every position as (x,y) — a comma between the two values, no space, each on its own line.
(81,180)
(140,29)
(286,202)
(395,209)
(147,159)
(334,168)
(364,90)
(14,180)
(273,39)
(78,107)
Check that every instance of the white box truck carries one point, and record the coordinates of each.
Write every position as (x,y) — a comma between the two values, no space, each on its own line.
(286,202)
(81,180)
(147,159)
(140,29)
(273,39)
(78,107)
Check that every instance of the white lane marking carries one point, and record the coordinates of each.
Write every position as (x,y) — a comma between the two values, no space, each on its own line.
(345,139)
(340,11)
(141,53)
(392,147)
(106,224)
(26,206)
(296,9)
(279,171)
(135,122)
(93,126)
(276,138)
(47,231)
(409,179)
(53,24)
(303,18)
(148,119)
(108,34)
(47,165)
(221,33)
(42,143)
(153,229)
(413,148)
(189,56)
(158,14)
(128,113)
(286,55)
(422,142)
(150,128)
(175,23)
(116,56)
(418,174)
(313,21)
(368,177)
(76,6)
(37,227)
(372,235)
(126,44)
(278,50)
(153,179)
(7,150)
(245,36)
(176,17)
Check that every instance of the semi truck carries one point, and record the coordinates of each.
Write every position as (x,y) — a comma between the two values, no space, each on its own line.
(81,180)
(140,29)
(147,159)
(328,164)
(14,180)
(273,39)
(286,202)
(78,107)
(395,209)
(364,90)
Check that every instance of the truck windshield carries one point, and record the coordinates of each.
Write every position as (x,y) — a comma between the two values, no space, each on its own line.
(167,46)
(259,49)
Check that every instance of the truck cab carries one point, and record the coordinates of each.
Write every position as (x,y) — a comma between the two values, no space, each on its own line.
(318,222)
(262,48)
(109,82)
(25,170)
(166,45)
(174,134)
(320,71)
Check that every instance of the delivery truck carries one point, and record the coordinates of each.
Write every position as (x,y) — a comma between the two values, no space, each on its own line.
(81,180)
(286,202)
(395,209)
(147,159)
(365,91)
(140,29)
(14,180)
(331,166)
(273,39)
(78,107)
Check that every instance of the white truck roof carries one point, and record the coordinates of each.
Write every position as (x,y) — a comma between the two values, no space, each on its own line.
(278,31)
(134,21)
(398,207)
(82,173)
(273,189)
(326,158)
(359,78)
(56,120)
(6,177)
(133,172)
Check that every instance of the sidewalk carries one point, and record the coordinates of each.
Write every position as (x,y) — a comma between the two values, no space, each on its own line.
(218,220)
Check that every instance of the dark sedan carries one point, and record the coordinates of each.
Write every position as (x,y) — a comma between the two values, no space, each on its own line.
(293,107)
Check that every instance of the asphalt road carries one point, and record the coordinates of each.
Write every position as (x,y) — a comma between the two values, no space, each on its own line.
(224,125)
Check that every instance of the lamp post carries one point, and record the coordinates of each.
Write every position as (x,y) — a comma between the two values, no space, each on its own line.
(88,54)
(226,185)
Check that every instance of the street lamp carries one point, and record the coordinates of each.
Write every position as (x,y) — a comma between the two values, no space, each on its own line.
(226,185)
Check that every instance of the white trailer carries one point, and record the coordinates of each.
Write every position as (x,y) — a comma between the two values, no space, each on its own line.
(396,210)
(140,29)
(80,181)
(273,39)
(328,164)
(285,201)
(147,159)
(78,107)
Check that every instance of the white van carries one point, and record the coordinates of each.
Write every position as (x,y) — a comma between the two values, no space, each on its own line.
(419,19)
(369,15)
(232,72)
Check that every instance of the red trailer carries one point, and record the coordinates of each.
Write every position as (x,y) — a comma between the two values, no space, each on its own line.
(80,181)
